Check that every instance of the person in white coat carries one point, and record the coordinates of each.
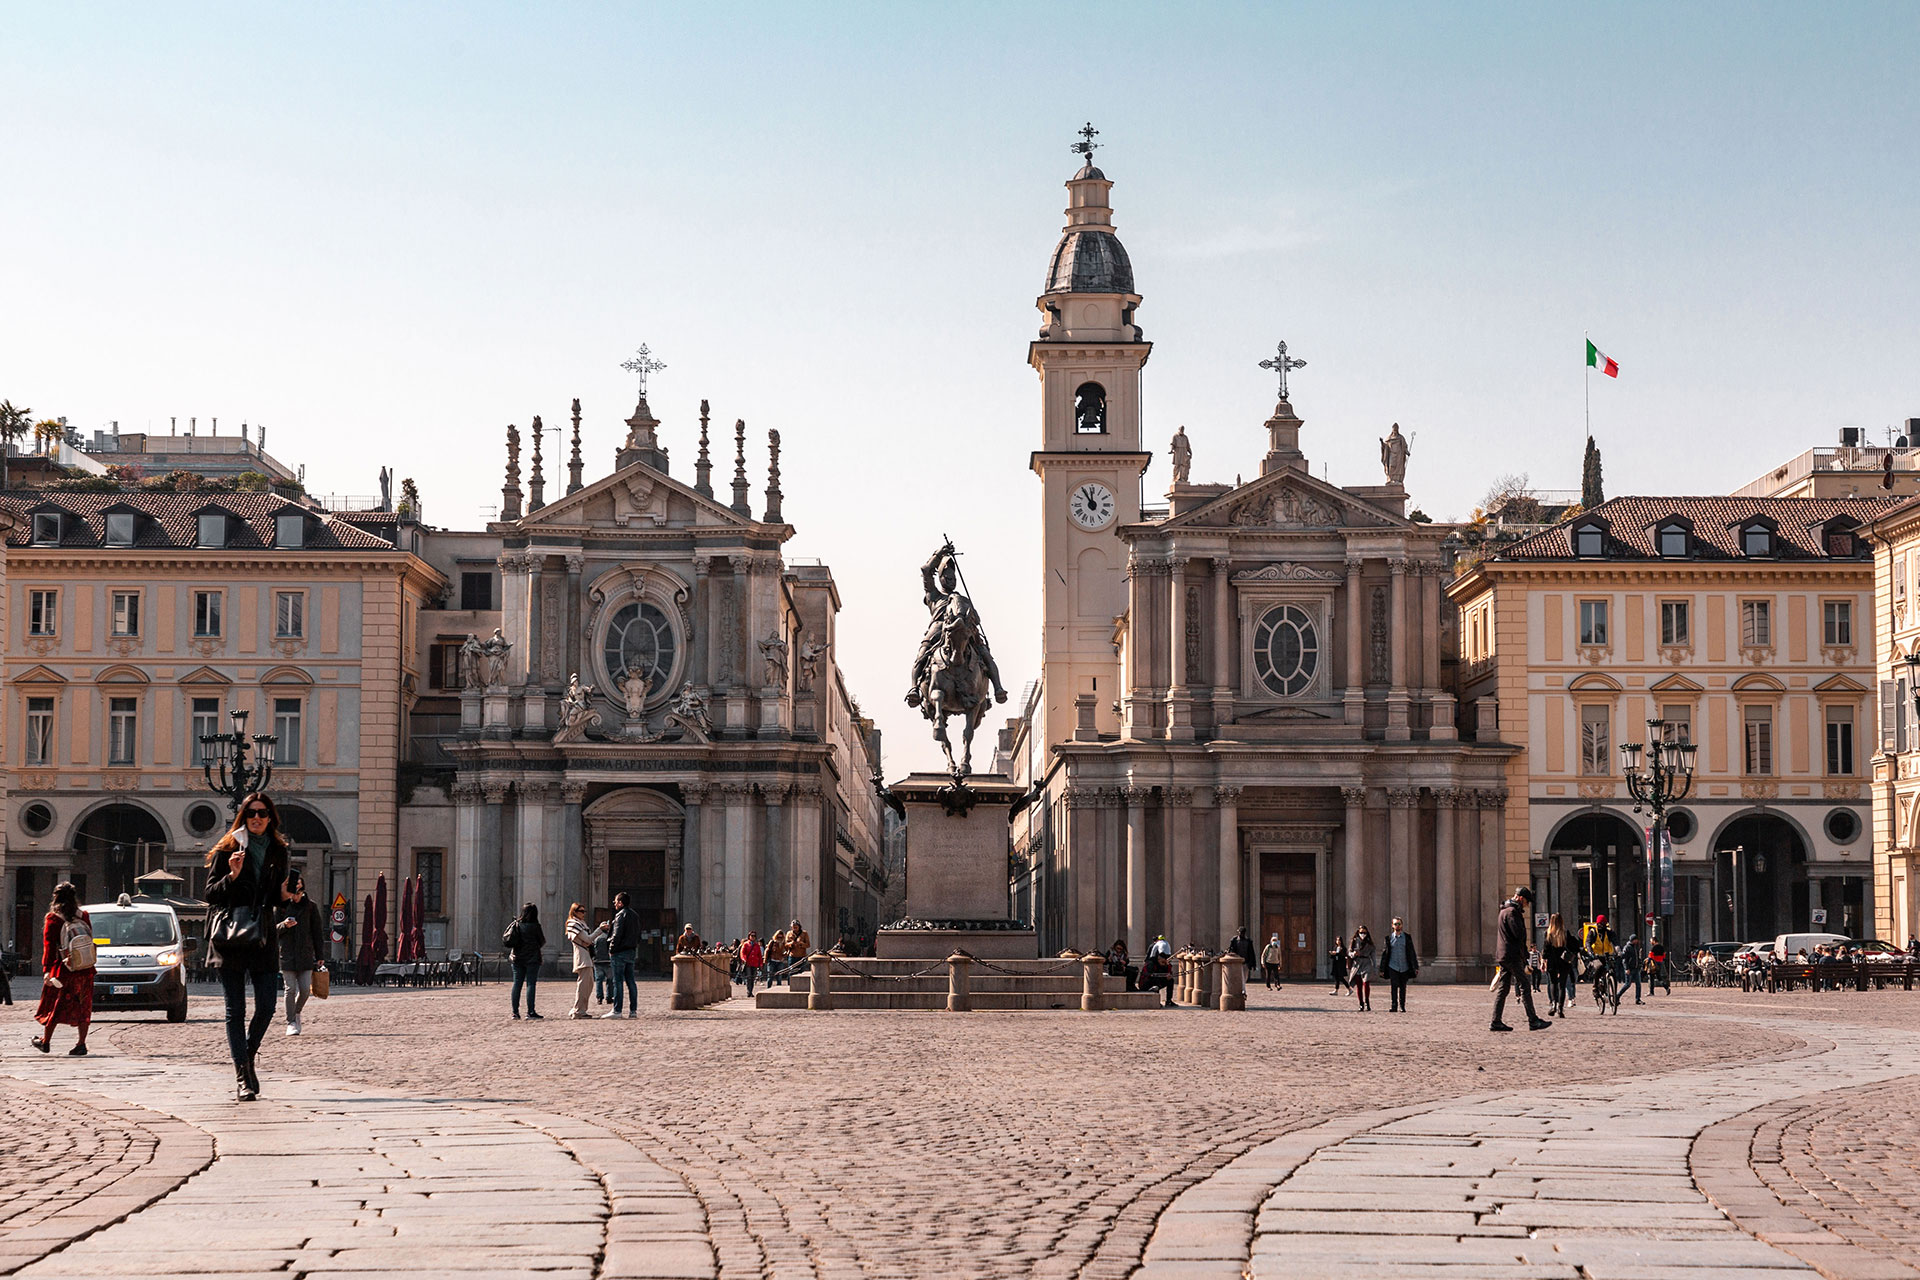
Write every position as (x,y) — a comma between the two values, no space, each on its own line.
(582,936)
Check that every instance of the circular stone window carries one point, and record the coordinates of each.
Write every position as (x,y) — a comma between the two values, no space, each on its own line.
(1681,826)
(639,639)
(1843,826)
(37,818)
(1286,649)
(201,818)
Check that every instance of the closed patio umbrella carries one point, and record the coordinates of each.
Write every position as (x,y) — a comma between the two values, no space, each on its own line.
(364,964)
(380,919)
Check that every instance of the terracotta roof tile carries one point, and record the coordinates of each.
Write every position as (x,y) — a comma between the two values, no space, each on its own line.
(1716,526)
(171,521)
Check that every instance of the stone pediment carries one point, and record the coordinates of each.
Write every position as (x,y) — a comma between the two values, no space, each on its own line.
(1288,500)
(635,497)
(1286,571)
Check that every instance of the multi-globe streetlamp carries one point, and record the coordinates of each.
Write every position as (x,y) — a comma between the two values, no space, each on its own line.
(1659,775)
(224,761)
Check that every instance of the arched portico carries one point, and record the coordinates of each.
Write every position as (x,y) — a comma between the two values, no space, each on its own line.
(1598,861)
(1760,865)
(634,844)
(107,840)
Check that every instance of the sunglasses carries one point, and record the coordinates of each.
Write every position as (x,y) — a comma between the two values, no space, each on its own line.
(258,813)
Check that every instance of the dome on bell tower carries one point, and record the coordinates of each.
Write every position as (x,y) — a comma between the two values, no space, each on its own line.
(1089,257)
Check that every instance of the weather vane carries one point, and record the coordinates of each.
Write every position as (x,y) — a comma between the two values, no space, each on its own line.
(1085,146)
(1280,364)
(643,364)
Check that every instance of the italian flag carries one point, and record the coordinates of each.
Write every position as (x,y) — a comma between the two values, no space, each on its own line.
(1598,359)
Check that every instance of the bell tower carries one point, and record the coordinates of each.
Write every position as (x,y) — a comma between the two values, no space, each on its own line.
(1089,356)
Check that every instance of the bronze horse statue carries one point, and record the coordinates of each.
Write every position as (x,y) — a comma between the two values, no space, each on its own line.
(954,672)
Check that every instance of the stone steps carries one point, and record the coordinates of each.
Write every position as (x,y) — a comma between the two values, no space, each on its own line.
(937,1000)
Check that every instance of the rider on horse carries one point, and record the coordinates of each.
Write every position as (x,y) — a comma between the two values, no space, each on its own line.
(954,667)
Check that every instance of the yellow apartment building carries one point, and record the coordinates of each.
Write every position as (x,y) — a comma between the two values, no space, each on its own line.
(1896,763)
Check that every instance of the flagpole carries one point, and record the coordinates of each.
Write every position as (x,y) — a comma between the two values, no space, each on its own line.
(1586,370)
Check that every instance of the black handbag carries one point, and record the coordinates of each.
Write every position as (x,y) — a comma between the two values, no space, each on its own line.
(235,932)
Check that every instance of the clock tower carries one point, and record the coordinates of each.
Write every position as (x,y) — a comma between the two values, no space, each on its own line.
(1089,355)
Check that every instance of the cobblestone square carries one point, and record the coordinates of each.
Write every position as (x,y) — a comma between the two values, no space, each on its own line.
(422,1132)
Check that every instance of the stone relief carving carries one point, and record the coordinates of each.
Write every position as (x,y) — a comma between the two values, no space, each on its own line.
(1378,644)
(1192,638)
(1285,506)
(1285,571)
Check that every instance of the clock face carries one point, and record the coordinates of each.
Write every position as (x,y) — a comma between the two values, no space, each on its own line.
(1091,505)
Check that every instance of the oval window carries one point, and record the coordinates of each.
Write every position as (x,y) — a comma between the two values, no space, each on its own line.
(639,639)
(201,818)
(1681,826)
(1286,650)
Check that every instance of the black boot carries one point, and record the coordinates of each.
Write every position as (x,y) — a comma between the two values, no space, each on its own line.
(243,1090)
(252,1077)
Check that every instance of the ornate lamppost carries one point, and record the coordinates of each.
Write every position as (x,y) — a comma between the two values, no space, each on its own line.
(1665,779)
(226,766)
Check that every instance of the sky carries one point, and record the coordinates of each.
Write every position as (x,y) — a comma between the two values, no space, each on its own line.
(386,231)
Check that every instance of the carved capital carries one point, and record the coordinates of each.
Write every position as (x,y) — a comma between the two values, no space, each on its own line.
(1491,797)
(467,793)
(1223,796)
(1180,796)
(1354,797)
(1398,566)
(1135,795)
(1450,797)
(576,562)
(1083,797)
(695,792)
(495,792)
(572,792)
(1355,566)
(1403,797)
(774,793)
(533,790)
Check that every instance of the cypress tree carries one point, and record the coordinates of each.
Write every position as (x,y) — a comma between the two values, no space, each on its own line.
(1592,490)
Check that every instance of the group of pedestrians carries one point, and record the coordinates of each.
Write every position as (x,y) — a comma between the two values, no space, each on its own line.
(604,959)
(1352,961)
(751,961)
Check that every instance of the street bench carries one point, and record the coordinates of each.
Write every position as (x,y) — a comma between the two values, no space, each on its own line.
(1860,976)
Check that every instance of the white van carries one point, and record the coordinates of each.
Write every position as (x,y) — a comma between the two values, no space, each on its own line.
(1788,946)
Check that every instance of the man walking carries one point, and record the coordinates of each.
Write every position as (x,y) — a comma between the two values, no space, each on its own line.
(1402,964)
(1512,961)
(623,948)
(1241,945)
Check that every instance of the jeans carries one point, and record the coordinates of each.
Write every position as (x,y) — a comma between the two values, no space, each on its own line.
(244,1036)
(623,983)
(299,985)
(1512,976)
(603,980)
(525,973)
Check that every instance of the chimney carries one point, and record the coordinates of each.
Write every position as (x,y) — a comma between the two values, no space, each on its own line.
(173,426)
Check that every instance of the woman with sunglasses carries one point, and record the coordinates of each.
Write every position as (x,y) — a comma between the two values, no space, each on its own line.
(251,863)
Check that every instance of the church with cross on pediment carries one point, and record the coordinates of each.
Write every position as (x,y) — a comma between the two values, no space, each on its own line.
(1241,717)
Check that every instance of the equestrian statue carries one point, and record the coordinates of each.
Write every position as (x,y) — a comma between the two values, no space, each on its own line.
(954,671)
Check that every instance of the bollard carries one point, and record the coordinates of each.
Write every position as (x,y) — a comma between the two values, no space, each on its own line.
(1204,973)
(820,991)
(959,987)
(1093,984)
(1233,984)
(684,978)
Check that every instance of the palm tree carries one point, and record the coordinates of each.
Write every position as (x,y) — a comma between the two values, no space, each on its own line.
(14,424)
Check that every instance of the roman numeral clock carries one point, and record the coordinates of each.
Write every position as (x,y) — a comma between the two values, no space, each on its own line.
(1091,505)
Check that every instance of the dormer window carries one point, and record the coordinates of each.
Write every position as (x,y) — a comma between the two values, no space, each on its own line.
(1838,539)
(1756,541)
(213,529)
(1674,542)
(289,530)
(46,528)
(1589,541)
(120,528)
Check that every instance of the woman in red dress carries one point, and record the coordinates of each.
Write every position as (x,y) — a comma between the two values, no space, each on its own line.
(66,995)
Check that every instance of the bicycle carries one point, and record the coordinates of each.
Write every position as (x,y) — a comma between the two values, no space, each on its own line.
(1607,990)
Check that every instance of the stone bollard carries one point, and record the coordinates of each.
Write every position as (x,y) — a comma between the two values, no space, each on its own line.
(959,983)
(1093,984)
(1205,973)
(820,990)
(685,978)
(1233,984)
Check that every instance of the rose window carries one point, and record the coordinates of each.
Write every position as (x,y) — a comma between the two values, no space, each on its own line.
(1286,649)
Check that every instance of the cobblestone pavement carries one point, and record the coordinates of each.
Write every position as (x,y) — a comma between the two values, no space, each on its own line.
(991,1145)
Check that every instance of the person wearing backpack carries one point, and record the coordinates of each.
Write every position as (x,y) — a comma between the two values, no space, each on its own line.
(242,933)
(524,939)
(67,955)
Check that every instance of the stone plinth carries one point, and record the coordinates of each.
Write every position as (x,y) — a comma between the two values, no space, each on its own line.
(956,876)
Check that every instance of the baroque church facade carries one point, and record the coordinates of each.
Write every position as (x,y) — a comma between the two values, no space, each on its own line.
(636,691)
(1241,717)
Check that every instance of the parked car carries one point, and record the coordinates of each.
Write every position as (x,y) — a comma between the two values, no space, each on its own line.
(142,958)
(1788,946)
(1880,951)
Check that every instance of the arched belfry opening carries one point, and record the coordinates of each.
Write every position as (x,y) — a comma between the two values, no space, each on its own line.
(1090,409)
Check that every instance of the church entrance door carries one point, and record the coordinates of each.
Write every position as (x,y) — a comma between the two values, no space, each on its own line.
(642,875)
(1286,908)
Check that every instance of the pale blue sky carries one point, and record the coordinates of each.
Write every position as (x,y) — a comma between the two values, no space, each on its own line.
(386,231)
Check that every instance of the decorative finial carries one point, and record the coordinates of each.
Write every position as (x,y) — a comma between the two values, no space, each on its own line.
(1085,147)
(536,480)
(740,501)
(773,477)
(510,492)
(1281,364)
(703,469)
(574,464)
(643,364)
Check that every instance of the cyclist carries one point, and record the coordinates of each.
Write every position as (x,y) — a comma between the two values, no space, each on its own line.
(1596,943)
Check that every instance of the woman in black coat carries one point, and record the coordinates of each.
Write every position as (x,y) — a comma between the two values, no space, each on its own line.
(252,860)
(525,939)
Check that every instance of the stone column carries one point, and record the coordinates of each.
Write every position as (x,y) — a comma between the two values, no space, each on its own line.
(739,648)
(1138,672)
(1441,702)
(1223,682)
(1399,886)
(776,893)
(467,878)
(1446,881)
(1355,698)
(495,881)
(1136,896)
(700,644)
(1226,801)
(577,648)
(1177,839)
(574,886)
(1493,855)
(693,798)
(1179,690)
(807,871)
(530,846)
(729,885)
(1398,725)
(1359,887)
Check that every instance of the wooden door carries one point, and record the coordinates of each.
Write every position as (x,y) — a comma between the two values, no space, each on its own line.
(642,875)
(1287,908)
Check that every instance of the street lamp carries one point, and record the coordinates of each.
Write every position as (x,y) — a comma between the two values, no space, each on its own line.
(1665,779)
(236,778)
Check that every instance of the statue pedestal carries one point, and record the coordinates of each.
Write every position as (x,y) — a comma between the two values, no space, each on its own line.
(773,713)
(494,713)
(956,877)
(470,721)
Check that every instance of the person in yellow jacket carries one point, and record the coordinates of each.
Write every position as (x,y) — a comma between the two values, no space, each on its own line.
(1596,940)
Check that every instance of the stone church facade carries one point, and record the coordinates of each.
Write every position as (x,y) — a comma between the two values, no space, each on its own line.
(660,711)
(1241,717)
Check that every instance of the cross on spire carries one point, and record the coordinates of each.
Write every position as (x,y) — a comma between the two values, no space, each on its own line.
(643,364)
(1086,145)
(1281,364)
